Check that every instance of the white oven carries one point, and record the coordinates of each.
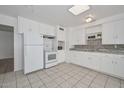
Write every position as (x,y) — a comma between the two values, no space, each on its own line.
(50,59)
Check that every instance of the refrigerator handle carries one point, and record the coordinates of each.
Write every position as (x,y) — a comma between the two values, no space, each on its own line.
(25,52)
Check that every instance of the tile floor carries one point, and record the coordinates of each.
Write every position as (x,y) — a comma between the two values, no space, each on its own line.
(6,65)
(63,75)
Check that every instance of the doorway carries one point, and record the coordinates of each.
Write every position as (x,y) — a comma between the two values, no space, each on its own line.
(6,48)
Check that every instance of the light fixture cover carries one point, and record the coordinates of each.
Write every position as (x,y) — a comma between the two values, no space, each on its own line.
(89,18)
(78,9)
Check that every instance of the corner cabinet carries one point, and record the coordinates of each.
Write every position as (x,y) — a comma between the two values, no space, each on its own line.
(112,32)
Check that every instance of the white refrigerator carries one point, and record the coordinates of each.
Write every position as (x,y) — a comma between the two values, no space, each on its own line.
(33,52)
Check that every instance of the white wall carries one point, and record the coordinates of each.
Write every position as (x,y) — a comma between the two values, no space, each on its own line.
(6,44)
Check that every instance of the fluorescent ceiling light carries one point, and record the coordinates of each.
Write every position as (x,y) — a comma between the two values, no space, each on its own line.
(78,9)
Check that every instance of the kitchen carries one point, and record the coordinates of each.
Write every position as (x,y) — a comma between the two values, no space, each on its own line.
(67,53)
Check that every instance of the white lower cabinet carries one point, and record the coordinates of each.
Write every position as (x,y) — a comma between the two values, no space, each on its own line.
(73,57)
(95,62)
(61,56)
(119,66)
(108,63)
(83,59)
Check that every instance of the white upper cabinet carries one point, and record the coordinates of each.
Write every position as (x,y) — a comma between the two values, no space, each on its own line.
(108,33)
(119,27)
(47,30)
(25,25)
(61,33)
(30,25)
(77,36)
(93,29)
(112,33)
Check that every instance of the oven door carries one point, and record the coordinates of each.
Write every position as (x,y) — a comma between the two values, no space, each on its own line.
(50,57)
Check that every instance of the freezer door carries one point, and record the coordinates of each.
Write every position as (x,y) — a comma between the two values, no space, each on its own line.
(33,38)
(33,58)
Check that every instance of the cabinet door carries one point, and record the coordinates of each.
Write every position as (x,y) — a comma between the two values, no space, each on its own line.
(77,36)
(95,62)
(106,64)
(61,35)
(28,25)
(34,26)
(89,61)
(119,66)
(80,58)
(68,56)
(46,29)
(119,27)
(73,57)
(80,37)
(108,33)
(61,56)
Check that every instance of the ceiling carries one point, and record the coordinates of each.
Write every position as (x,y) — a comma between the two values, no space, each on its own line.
(59,14)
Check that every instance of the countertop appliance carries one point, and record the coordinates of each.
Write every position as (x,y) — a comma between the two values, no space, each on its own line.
(33,51)
(50,59)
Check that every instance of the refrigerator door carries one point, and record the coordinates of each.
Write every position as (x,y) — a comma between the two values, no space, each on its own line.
(33,38)
(33,58)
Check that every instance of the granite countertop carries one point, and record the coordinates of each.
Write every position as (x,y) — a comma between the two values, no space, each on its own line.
(110,51)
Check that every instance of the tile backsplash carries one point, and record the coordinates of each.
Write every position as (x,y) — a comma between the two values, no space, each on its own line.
(97,44)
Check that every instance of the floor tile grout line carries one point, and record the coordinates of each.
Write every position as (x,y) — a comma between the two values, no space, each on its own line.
(93,80)
(53,79)
(84,77)
(29,81)
(81,79)
(41,81)
(120,83)
(106,81)
(16,79)
(3,81)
